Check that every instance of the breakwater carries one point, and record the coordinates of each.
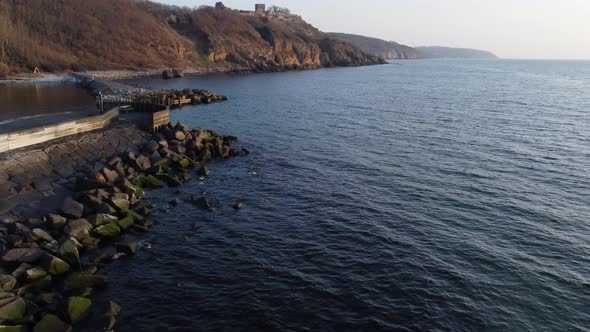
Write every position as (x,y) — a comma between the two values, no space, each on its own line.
(50,266)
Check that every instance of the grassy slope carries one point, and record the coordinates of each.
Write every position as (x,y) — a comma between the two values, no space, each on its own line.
(63,35)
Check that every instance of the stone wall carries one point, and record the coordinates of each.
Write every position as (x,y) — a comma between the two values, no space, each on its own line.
(27,137)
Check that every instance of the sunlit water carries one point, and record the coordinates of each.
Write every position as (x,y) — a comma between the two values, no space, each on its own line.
(421,195)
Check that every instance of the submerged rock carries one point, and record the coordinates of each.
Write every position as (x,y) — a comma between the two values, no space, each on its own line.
(238,205)
(112,314)
(127,248)
(82,280)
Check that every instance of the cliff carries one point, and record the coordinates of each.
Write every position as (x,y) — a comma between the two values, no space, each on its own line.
(72,35)
(391,50)
(385,49)
(431,52)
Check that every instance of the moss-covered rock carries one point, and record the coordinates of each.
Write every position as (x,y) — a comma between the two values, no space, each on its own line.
(125,222)
(54,265)
(14,310)
(51,323)
(109,230)
(153,182)
(83,280)
(78,308)
(130,213)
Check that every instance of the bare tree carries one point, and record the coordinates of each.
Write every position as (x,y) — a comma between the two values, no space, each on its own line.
(278,10)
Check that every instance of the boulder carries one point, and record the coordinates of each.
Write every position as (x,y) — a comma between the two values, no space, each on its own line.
(54,265)
(39,234)
(177,73)
(56,220)
(20,271)
(125,222)
(203,171)
(78,308)
(26,255)
(110,176)
(112,314)
(51,323)
(7,282)
(167,74)
(69,252)
(50,246)
(72,209)
(35,273)
(79,228)
(105,208)
(83,280)
(151,146)
(143,162)
(14,310)
(200,201)
(108,230)
(179,135)
(120,202)
(152,182)
(101,219)
(127,248)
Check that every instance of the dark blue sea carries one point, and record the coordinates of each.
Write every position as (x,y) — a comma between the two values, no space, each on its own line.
(434,195)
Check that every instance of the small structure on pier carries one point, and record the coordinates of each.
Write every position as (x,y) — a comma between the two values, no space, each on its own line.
(260,8)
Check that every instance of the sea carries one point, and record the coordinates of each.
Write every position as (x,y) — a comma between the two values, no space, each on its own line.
(431,195)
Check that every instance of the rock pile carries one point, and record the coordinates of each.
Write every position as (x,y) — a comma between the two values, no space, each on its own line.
(172,73)
(49,266)
(166,97)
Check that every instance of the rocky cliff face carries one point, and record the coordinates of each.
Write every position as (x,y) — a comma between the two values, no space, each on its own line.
(58,35)
(261,42)
(385,49)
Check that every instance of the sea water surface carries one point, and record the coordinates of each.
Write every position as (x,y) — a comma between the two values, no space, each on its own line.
(414,196)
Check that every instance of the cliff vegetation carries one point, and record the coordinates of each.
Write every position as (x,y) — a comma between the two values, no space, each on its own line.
(72,35)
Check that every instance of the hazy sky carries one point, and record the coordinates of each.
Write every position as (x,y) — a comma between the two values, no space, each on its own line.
(510,28)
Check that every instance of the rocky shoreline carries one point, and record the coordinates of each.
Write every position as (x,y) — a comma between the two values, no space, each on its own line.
(50,266)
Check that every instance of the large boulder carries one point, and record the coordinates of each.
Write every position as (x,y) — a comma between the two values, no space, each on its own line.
(101,219)
(79,228)
(7,282)
(39,234)
(112,314)
(167,74)
(35,273)
(23,255)
(51,323)
(72,209)
(143,163)
(69,252)
(109,230)
(14,310)
(110,176)
(78,308)
(54,265)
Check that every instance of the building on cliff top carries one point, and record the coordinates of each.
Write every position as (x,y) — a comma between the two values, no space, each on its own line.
(260,8)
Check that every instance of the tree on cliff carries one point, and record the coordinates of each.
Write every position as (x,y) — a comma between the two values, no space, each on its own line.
(278,10)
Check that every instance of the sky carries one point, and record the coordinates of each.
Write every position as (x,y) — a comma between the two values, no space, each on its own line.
(527,29)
